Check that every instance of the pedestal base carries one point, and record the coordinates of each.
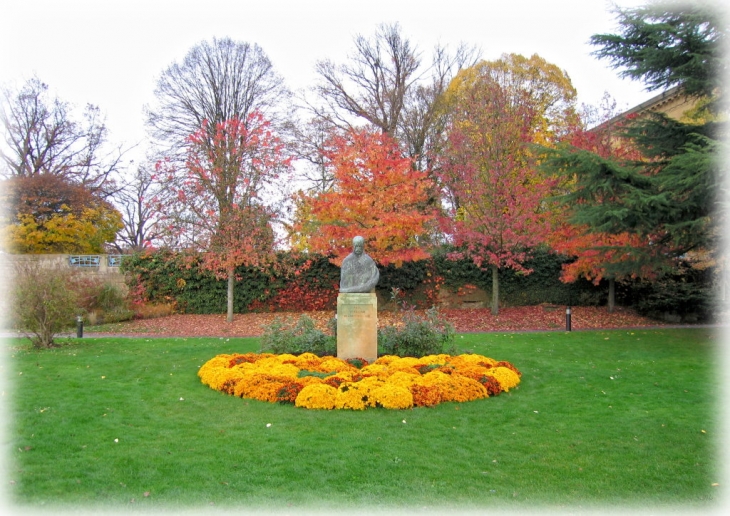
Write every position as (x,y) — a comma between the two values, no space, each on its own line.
(357,326)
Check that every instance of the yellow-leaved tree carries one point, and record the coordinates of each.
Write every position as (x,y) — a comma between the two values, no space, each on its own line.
(48,214)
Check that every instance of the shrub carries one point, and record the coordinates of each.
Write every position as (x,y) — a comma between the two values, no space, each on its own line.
(296,338)
(683,294)
(418,336)
(110,298)
(98,301)
(43,303)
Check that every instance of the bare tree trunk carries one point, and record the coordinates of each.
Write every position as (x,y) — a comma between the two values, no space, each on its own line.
(495,290)
(231,281)
(611,294)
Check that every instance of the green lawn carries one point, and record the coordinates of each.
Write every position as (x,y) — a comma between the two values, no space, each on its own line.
(610,418)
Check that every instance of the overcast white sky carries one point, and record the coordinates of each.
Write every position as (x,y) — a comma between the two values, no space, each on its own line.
(109,53)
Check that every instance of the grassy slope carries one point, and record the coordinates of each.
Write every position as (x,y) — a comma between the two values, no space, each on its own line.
(610,417)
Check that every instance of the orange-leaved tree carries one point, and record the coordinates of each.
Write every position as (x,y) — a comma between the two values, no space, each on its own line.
(216,204)
(376,193)
(601,255)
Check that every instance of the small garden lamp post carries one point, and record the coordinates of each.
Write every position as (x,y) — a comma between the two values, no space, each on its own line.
(79,326)
(567,319)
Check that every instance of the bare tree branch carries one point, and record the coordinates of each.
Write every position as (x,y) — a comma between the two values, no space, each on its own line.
(41,137)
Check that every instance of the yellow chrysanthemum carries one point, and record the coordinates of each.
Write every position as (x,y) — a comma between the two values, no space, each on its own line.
(330,364)
(375,369)
(215,372)
(222,379)
(214,363)
(435,359)
(268,361)
(346,376)
(276,369)
(371,381)
(391,382)
(391,397)
(471,359)
(307,361)
(404,363)
(357,395)
(402,378)
(467,389)
(506,377)
(434,378)
(386,359)
(317,396)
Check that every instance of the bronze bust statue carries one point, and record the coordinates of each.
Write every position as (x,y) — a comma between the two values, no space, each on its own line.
(359,274)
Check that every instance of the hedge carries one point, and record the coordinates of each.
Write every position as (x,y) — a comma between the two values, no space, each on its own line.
(302,282)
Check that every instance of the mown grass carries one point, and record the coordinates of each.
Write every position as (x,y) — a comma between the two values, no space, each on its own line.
(610,418)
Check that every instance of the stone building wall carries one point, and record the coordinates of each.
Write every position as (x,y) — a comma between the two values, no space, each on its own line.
(102,266)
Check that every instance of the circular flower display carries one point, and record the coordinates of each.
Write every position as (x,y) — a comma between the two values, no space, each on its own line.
(390,382)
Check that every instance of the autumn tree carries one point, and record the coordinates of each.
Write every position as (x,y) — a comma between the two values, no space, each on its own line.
(42,135)
(542,87)
(217,81)
(373,85)
(376,194)
(668,197)
(227,95)
(217,202)
(495,199)
(385,85)
(595,255)
(48,214)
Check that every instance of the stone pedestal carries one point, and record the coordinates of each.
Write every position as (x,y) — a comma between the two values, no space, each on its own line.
(357,326)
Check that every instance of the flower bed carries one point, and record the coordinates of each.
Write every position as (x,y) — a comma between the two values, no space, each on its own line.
(390,382)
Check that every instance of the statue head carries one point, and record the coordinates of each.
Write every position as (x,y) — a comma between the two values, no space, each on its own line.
(358,244)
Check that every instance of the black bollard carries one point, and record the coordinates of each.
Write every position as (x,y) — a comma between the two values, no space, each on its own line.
(79,327)
(567,319)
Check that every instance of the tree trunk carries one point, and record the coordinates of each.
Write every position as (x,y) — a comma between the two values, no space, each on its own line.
(611,294)
(231,281)
(495,290)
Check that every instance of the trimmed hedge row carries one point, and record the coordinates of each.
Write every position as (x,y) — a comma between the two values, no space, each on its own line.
(302,282)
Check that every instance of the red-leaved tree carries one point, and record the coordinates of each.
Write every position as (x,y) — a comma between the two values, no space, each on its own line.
(376,194)
(216,204)
(496,198)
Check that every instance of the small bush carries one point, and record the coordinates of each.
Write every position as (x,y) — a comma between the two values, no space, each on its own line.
(98,301)
(418,336)
(297,338)
(110,298)
(43,303)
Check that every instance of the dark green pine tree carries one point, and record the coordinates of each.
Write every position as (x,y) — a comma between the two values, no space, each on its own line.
(670,197)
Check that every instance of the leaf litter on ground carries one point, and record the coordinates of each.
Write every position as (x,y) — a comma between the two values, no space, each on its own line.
(472,320)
